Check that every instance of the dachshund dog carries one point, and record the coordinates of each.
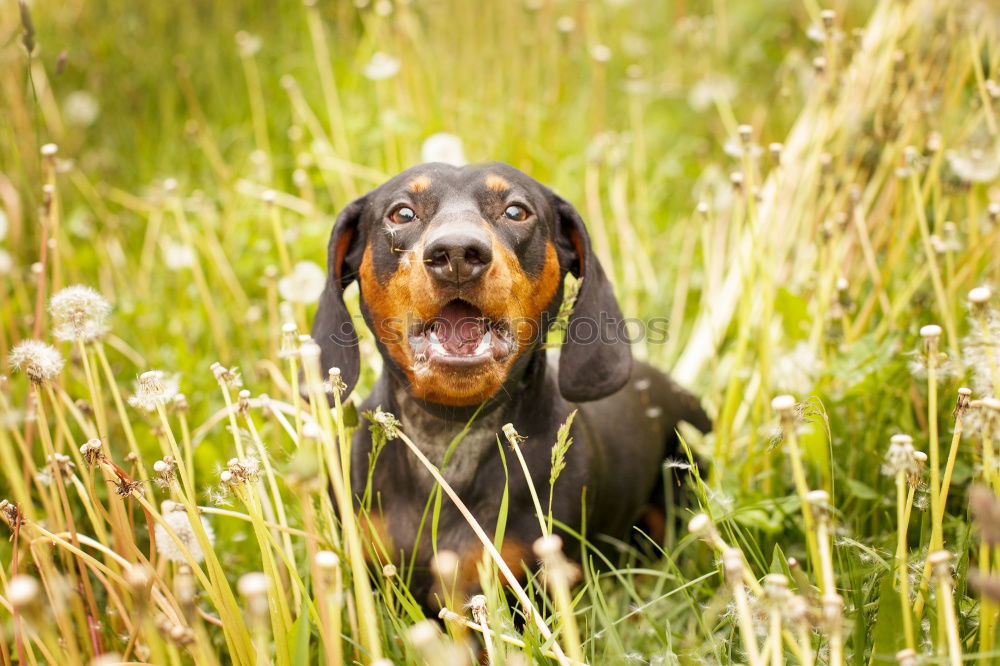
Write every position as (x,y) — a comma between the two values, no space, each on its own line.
(461,273)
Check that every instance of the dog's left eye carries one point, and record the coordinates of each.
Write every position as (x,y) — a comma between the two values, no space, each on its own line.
(516,213)
(402,215)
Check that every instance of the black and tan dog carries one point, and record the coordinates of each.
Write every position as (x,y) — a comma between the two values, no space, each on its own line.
(461,273)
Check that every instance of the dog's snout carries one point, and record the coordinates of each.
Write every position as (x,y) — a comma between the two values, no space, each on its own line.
(458,256)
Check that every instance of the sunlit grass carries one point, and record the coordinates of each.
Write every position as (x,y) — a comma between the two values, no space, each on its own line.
(809,196)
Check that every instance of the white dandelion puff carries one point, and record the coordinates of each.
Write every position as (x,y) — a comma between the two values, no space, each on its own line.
(80,108)
(79,313)
(600,52)
(566,24)
(705,92)
(154,388)
(381,66)
(247,44)
(304,285)
(443,147)
(177,256)
(40,361)
(975,165)
(176,518)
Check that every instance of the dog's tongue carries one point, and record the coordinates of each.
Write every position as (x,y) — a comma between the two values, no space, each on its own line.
(462,327)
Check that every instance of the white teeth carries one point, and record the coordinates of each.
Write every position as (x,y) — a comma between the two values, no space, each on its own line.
(484,344)
(436,345)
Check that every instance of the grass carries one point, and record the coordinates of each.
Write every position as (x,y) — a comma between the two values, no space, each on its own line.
(809,197)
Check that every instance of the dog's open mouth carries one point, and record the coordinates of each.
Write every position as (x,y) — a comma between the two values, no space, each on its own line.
(461,335)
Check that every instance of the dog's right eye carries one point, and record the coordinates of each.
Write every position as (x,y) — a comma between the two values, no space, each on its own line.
(402,215)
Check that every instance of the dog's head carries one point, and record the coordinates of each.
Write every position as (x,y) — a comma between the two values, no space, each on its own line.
(461,272)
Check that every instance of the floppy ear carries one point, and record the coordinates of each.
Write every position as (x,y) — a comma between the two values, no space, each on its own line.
(596,359)
(333,329)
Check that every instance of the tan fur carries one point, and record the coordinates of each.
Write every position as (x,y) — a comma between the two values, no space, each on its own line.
(513,552)
(375,531)
(497,183)
(503,292)
(419,184)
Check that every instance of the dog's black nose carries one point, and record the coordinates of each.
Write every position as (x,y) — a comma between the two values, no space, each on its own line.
(458,256)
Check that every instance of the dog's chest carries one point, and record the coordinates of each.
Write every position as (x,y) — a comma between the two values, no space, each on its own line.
(458,455)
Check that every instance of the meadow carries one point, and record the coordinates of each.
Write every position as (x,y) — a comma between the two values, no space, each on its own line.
(807,193)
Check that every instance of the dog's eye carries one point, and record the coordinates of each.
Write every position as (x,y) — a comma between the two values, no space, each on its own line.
(516,213)
(402,215)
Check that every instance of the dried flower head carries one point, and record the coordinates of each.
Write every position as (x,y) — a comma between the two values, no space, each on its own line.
(11,514)
(334,384)
(175,517)
(79,313)
(92,452)
(240,471)
(40,361)
(983,418)
(153,390)
(383,423)
(229,377)
(289,340)
(60,463)
(165,472)
(899,458)
(981,347)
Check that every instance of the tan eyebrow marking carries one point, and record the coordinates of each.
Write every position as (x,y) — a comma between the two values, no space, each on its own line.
(419,184)
(497,183)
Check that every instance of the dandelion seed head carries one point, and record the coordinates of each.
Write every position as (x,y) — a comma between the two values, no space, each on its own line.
(176,518)
(228,377)
(706,91)
(23,591)
(247,44)
(304,285)
(565,24)
(81,108)
(177,256)
(79,313)
(326,560)
(40,361)
(443,147)
(783,403)
(979,295)
(153,389)
(900,456)
(381,66)
(600,53)
(974,165)
(252,584)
